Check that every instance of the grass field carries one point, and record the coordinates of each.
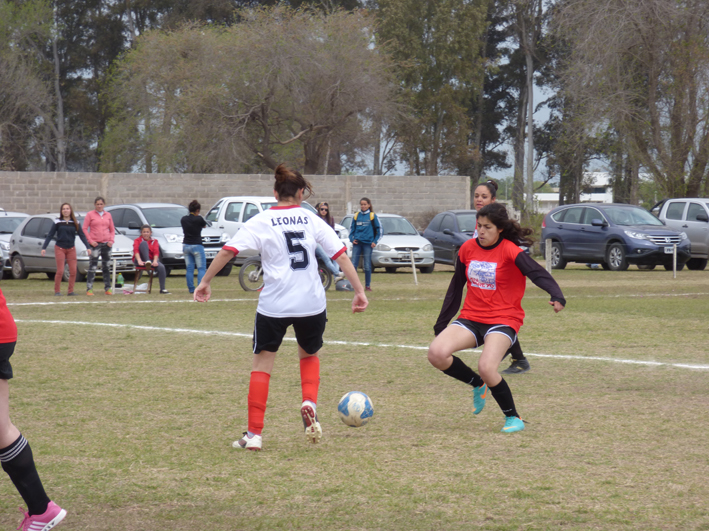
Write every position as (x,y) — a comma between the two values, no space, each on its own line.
(131,404)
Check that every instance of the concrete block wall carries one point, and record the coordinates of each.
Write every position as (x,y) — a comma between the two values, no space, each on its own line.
(415,197)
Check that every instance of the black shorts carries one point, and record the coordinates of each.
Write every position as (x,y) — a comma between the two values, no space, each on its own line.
(269,332)
(481,330)
(6,350)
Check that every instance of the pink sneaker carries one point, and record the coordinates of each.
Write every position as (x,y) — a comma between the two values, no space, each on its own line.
(43,522)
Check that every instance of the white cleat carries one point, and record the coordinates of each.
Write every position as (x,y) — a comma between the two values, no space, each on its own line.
(248,443)
(313,431)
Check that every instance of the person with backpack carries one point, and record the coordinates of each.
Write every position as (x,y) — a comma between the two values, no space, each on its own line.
(365,232)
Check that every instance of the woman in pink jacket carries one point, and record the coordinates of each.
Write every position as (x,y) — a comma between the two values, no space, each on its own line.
(99,229)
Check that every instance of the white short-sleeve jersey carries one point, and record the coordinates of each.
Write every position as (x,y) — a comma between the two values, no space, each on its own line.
(286,237)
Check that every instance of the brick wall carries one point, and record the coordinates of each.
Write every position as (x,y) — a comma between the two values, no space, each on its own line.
(415,197)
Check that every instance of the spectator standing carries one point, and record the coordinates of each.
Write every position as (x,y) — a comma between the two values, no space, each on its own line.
(100,231)
(66,228)
(146,253)
(365,232)
(15,453)
(192,248)
(324,214)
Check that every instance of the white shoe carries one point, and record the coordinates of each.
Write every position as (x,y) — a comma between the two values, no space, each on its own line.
(248,443)
(313,431)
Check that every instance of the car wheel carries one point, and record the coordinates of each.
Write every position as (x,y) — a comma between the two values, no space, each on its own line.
(557,257)
(647,267)
(697,264)
(18,268)
(226,270)
(50,276)
(427,269)
(79,277)
(390,269)
(168,270)
(615,257)
(668,267)
(605,266)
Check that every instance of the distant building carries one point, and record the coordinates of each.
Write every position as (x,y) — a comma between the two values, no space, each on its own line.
(599,190)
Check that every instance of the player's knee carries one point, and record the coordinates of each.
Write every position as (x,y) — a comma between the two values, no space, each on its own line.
(437,356)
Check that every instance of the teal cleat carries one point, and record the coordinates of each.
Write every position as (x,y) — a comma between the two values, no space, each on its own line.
(513,424)
(479,396)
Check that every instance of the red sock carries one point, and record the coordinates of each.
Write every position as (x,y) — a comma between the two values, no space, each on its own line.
(258,396)
(310,378)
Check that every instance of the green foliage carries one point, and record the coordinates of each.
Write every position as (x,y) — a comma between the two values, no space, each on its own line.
(436,45)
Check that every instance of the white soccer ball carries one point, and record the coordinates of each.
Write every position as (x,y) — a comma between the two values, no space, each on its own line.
(355,409)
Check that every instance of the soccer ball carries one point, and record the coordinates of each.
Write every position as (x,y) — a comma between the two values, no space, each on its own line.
(355,409)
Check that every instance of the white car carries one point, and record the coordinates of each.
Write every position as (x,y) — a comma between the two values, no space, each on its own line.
(9,221)
(230,213)
(26,250)
(395,246)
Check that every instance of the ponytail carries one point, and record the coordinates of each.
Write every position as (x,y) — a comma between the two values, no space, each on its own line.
(288,182)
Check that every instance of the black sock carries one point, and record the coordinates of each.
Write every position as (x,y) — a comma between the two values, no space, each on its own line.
(460,371)
(516,351)
(18,462)
(503,396)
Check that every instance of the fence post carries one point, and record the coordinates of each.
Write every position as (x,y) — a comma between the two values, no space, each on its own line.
(413,266)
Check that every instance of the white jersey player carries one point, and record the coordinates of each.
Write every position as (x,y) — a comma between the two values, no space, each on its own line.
(286,236)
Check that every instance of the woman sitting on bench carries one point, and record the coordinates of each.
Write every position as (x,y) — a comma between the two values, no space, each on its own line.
(146,252)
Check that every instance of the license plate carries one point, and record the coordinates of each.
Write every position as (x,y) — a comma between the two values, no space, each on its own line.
(210,254)
(669,250)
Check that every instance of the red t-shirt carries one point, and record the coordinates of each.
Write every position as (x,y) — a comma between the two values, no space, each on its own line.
(153,247)
(8,328)
(495,284)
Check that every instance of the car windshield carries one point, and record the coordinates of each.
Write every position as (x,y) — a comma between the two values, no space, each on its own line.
(625,216)
(397,226)
(467,222)
(163,217)
(8,225)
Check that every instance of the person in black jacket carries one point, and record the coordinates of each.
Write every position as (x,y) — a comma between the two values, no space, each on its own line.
(66,228)
(192,248)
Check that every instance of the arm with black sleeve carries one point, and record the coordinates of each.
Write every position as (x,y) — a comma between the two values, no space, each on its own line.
(540,276)
(453,298)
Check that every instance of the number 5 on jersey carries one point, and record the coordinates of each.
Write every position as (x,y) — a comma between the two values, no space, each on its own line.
(299,258)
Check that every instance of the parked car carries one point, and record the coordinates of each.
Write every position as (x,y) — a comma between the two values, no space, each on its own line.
(230,213)
(164,218)
(9,221)
(448,231)
(614,235)
(399,237)
(690,215)
(26,250)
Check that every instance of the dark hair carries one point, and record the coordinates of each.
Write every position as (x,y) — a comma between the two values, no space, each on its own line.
(327,218)
(71,215)
(370,203)
(99,198)
(491,186)
(194,206)
(288,182)
(146,226)
(511,230)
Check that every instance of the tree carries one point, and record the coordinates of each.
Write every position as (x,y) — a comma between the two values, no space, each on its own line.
(639,68)
(437,47)
(280,84)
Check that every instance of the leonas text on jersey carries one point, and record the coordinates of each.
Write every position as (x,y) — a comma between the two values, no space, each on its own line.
(292,220)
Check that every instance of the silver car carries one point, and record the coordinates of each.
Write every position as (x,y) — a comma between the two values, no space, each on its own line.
(399,238)
(26,250)
(9,221)
(164,219)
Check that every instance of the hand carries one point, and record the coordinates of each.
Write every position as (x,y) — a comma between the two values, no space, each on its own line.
(359,303)
(373,245)
(44,251)
(355,242)
(93,244)
(155,263)
(203,292)
(140,263)
(557,306)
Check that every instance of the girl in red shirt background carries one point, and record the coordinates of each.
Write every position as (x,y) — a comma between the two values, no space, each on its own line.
(493,268)
(146,253)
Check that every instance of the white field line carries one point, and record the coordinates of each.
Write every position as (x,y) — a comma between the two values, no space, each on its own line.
(179,301)
(354,343)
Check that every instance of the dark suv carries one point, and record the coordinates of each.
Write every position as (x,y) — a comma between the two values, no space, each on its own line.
(614,235)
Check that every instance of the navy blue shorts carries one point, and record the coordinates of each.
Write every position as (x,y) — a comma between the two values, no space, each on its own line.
(481,330)
(269,332)
(6,350)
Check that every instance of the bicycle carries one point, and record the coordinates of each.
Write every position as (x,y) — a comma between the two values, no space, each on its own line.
(251,274)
